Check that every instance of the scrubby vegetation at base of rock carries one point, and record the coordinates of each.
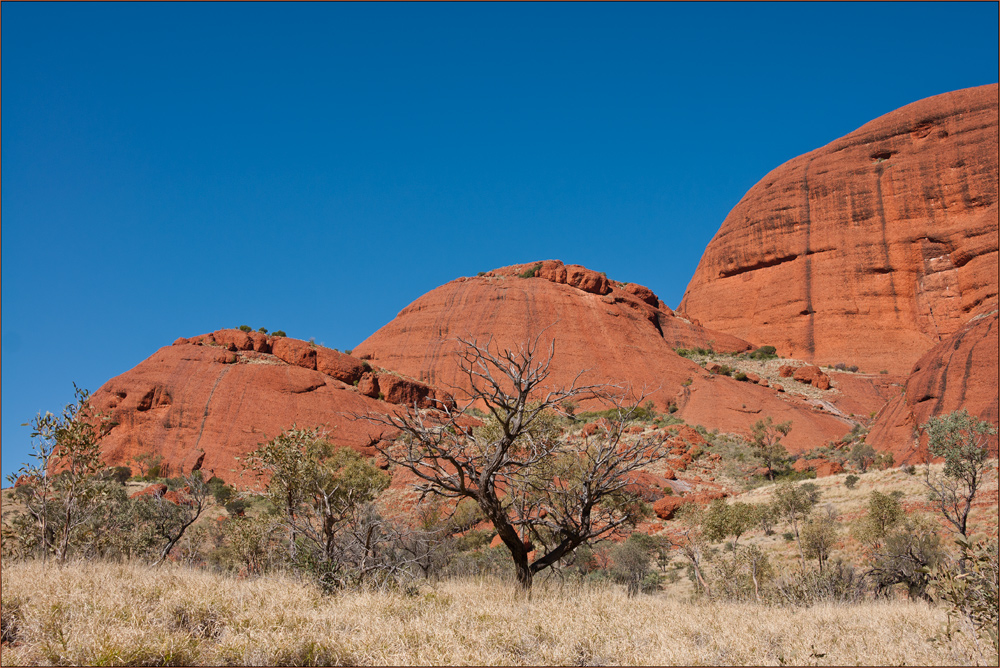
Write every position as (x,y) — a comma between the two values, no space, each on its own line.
(182,616)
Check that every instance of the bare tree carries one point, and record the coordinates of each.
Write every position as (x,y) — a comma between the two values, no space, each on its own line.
(538,488)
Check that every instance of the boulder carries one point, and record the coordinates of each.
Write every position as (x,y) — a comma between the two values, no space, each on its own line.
(154,490)
(295,352)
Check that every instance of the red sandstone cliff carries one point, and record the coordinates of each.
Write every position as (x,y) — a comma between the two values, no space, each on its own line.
(867,251)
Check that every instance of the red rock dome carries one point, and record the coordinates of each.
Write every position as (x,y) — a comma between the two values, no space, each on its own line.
(870,250)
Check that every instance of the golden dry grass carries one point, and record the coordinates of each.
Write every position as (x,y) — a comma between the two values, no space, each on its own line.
(105,614)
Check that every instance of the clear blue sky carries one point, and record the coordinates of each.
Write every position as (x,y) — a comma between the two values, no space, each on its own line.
(171,169)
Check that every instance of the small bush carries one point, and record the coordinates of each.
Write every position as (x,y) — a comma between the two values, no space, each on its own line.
(726,370)
(910,469)
(237,507)
(884,371)
(246,328)
(10,620)
(262,330)
(482,273)
(280,333)
(530,273)
(763,353)
(850,481)
(853,368)
(788,536)
(840,366)
(381,396)
(348,351)
(366,366)
(740,376)
(175,483)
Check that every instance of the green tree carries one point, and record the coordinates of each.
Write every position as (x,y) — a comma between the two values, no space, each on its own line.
(723,520)
(765,441)
(324,494)
(794,503)
(818,538)
(962,441)
(862,456)
(632,562)
(63,492)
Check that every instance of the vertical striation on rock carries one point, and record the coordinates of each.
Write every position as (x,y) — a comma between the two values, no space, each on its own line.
(867,251)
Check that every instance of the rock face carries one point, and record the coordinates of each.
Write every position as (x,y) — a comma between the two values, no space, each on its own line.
(597,325)
(206,400)
(867,251)
(608,328)
(960,372)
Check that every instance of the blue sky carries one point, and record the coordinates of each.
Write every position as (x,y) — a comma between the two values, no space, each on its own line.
(171,169)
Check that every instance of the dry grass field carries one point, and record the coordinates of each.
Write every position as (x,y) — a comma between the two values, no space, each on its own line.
(109,614)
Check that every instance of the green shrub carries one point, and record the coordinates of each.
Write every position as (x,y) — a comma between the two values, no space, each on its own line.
(280,332)
(237,507)
(763,353)
(262,330)
(381,396)
(482,273)
(788,536)
(740,376)
(850,481)
(884,371)
(531,273)
(246,328)
(726,370)
(348,351)
(366,366)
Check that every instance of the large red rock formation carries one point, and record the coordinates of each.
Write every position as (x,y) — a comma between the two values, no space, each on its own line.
(215,397)
(867,251)
(960,372)
(598,325)
(610,329)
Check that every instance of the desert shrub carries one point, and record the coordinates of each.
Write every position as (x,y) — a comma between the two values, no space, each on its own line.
(850,481)
(381,396)
(531,273)
(853,368)
(10,619)
(884,371)
(365,366)
(262,330)
(840,366)
(970,590)
(222,492)
(119,474)
(237,507)
(175,483)
(763,353)
(246,328)
(740,376)
(726,370)
(632,562)
(279,333)
(839,582)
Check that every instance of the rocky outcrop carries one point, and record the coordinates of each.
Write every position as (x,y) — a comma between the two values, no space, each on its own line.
(960,372)
(209,399)
(617,337)
(868,251)
(598,326)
